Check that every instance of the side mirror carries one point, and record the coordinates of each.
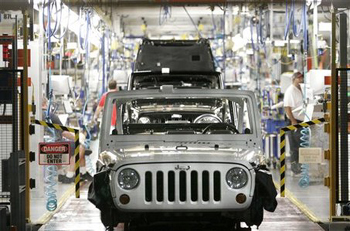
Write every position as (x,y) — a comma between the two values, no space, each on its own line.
(247,131)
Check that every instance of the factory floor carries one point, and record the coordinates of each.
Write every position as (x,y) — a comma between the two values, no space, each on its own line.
(80,214)
(313,200)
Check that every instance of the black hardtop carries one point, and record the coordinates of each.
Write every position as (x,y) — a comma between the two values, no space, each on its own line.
(175,56)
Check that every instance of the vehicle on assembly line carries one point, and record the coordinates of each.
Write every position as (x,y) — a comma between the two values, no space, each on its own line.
(181,63)
(181,156)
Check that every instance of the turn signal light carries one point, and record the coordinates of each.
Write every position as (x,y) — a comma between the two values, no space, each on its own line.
(241,198)
(124,199)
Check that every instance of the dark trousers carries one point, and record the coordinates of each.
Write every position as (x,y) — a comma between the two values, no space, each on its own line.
(294,142)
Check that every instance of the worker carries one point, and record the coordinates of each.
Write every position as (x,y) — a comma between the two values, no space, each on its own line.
(293,100)
(112,86)
(59,135)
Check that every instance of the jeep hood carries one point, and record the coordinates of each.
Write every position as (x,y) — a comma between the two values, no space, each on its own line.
(164,156)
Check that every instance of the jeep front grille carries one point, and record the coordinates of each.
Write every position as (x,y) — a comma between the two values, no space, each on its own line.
(183,186)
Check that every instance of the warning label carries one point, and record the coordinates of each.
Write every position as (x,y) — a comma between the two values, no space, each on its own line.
(54,153)
(310,155)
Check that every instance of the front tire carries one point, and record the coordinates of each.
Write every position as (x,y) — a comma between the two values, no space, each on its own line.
(107,218)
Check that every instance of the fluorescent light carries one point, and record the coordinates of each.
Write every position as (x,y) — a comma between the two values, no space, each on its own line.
(279,43)
(249,51)
(72,45)
(238,42)
(325,26)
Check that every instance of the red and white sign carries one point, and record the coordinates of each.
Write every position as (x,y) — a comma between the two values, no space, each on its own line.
(54,153)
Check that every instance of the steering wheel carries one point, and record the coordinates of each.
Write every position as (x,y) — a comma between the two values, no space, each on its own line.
(226,126)
(207,118)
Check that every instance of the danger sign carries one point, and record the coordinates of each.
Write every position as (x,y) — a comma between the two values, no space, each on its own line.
(54,153)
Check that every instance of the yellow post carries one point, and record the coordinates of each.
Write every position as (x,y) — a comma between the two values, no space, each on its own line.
(282,162)
(77,169)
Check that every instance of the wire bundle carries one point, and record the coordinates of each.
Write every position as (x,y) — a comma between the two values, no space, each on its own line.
(164,14)
(290,19)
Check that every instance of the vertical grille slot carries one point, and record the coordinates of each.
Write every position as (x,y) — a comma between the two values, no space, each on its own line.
(148,186)
(171,186)
(182,186)
(205,186)
(160,186)
(217,186)
(194,186)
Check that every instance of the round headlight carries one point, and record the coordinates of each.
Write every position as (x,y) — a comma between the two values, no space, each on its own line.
(236,178)
(128,178)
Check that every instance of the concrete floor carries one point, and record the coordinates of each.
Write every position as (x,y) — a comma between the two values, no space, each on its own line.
(313,199)
(76,214)
(80,214)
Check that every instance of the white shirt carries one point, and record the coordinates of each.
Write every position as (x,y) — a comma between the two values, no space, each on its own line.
(293,98)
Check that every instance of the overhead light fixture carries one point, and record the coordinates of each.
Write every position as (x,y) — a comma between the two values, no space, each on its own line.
(249,52)
(325,26)
(279,43)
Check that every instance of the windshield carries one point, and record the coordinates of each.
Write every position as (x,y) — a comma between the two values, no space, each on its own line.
(185,115)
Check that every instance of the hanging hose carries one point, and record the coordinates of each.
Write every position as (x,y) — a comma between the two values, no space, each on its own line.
(291,20)
(50,191)
(64,32)
(305,30)
(305,142)
(48,30)
(252,34)
(84,42)
(214,25)
(50,180)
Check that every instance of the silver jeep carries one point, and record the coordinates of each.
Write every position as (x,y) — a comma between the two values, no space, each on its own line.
(182,156)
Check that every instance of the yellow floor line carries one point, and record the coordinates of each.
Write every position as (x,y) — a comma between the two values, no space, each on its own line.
(303,208)
(48,215)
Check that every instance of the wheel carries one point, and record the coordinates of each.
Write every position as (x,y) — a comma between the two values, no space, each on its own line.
(107,219)
(237,227)
(127,227)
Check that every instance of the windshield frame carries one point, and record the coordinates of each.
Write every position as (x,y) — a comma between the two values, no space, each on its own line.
(108,141)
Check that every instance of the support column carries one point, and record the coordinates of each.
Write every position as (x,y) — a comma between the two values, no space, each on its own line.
(24,93)
(343,117)
(333,142)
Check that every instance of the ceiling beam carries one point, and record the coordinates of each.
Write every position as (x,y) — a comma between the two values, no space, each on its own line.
(140,3)
(107,18)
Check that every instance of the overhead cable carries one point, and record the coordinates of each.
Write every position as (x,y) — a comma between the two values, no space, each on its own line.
(199,33)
